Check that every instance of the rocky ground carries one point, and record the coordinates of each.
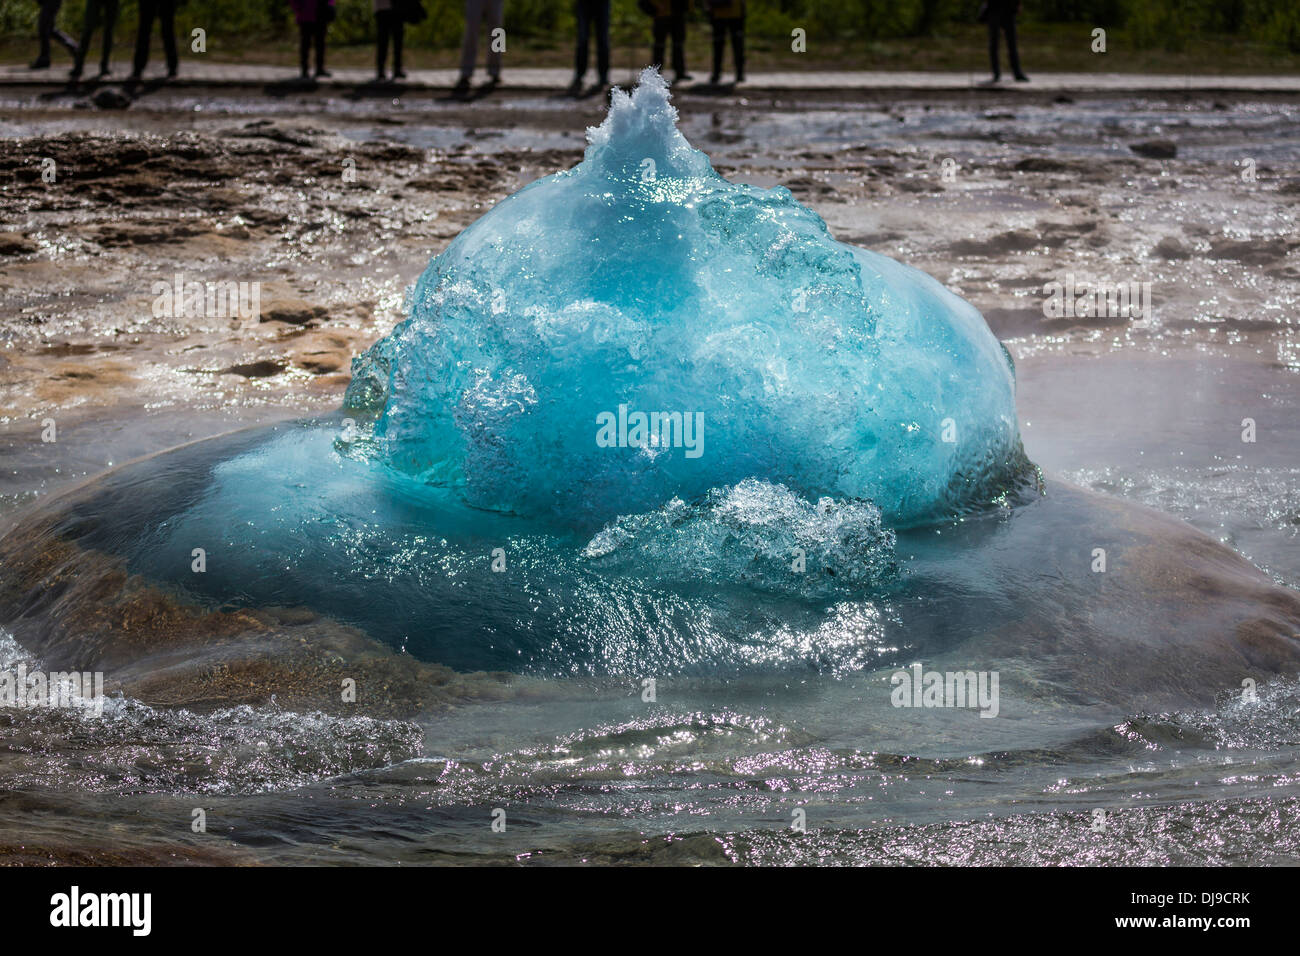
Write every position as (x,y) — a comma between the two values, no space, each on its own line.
(335,207)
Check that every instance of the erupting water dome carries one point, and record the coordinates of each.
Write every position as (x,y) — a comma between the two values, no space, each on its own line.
(638,328)
(640,419)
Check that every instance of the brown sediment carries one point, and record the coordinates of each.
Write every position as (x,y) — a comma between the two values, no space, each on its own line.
(61,854)
(80,609)
(263,201)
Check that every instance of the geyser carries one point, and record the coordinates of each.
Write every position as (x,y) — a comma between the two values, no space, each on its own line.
(639,419)
(640,295)
(642,421)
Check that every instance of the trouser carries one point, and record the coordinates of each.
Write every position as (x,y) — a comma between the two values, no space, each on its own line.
(475,12)
(48,31)
(735,27)
(97,12)
(592,12)
(309,35)
(1005,22)
(165,11)
(673,25)
(388,25)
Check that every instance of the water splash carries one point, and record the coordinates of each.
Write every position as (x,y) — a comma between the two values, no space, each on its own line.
(642,281)
(754,534)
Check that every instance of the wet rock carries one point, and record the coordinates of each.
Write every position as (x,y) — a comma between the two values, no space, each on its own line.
(912,186)
(435,183)
(13,244)
(264,368)
(390,152)
(1054,234)
(1249,251)
(1171,247)
(322,362)
(147,232)
(1155,149)
(807,186)
(289,135)
(1041,164)
(111,99)
(1012,241)
(293,312)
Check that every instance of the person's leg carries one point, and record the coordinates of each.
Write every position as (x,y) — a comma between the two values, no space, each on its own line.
(469,45)
(304,48)
(45,29)
(582,12)
(660,34)
(738,47)
(496,17)
(1013,54)
(382,26)
(147,9)
(719,41)
(321,26)
(167,21)
(994,26)
(602,40)
(399,27)
(110,21)
(679,47)
(88,26)
(679,38)
(65,41)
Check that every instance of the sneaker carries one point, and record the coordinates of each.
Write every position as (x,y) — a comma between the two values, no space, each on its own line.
(462,85)
(1021,78)
(399,74)
(575,88)
(321,71)
(41,63)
